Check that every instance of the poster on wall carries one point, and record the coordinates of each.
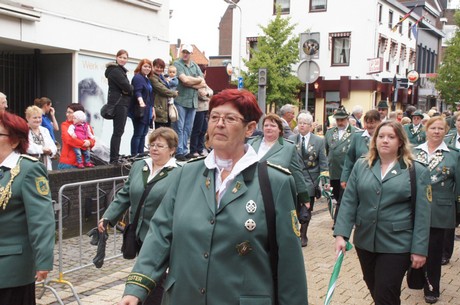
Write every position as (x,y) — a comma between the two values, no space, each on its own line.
(92,94)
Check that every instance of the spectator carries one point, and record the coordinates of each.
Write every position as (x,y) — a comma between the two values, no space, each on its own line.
(388,236)
(409,110)
(46,106)
(27,238)
(68,158)
(142,104)
(162,94)
(3,102)
(357,113)
(120,91)
(211,234)
(41,145)
(287,114)
(190,80)
(405,121)
(81,130)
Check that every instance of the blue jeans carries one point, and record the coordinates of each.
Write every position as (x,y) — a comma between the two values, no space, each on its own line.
(200,125)
(79,152)
(138,139)
(183,127)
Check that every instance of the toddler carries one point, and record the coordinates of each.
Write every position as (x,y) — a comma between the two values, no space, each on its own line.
(81,130)
(172,80)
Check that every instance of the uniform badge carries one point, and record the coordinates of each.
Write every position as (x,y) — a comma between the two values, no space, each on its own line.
(244,248)
(250,225)
(41,183)
(208,182)
(434,178)
(295,223)
(237,187)
(393,172)
(145,168)
(251,207)
(429,194)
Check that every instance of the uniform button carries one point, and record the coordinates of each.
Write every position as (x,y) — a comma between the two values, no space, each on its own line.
(202,291)
(373,221)
(206,255)
(212,221)
(378,192)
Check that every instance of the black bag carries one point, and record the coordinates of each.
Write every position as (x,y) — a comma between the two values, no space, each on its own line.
(138,111)
(415,278)
(130,247)
(108,111)
(317,192)
(304,214)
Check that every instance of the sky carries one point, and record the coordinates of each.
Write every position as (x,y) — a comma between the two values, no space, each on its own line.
(197,22)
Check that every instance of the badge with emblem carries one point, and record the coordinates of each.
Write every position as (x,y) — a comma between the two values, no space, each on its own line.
(251,207)
(145,168)
(250,225)
(243,248)
(237,187)
(429,194)
(295,223)
(208,182)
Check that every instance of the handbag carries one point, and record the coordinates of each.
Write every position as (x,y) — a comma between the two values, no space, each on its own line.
(172,112)
(138,111)
(131,244)
(108,110)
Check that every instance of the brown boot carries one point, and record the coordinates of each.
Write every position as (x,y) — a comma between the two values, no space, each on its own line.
(303,234)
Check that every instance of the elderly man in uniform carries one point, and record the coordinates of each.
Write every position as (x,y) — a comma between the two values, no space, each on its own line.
(337,144)
(382,107)
(415,131)
(3,102)
(287,115)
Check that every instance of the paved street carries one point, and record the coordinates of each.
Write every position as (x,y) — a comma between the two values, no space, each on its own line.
(105,286)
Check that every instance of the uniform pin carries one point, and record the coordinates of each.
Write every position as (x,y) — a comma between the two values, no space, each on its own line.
(237,187)
(208,182)
(244,248)
(162,173)
(145,168)
(251,207)
(394,172)
(250,225)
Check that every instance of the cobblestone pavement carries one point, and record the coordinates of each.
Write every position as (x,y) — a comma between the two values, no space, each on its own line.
(105,286)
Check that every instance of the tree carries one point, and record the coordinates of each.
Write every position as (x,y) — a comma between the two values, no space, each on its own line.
(277,51)
(448,79)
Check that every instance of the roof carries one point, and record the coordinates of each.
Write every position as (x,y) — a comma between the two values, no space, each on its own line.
(197,56)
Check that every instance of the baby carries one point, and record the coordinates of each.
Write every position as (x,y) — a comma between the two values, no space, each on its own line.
(81,130)
(173,81)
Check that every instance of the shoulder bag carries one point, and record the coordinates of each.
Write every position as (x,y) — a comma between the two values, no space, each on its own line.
(108,110)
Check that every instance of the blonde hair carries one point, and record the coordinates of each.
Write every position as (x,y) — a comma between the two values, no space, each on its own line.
(31,110)
(434,119)
(404,151)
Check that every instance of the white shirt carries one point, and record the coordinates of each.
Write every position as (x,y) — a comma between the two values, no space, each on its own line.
(264,148)
(11,160)
(457,143)
(307,139)
(416,127)
(366,134)
(170,163)
(249,158)
(424,147)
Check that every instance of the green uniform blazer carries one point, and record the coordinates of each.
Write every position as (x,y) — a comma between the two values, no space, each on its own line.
(444,171)
(284,153)
(381,210)
(314,162)
(212,257)
(450,138)
(131,193)
(415,138)
(27,235)
(359,146)
(336,150)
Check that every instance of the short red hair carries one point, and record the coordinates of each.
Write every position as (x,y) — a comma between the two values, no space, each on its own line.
(17,129)
(244,101)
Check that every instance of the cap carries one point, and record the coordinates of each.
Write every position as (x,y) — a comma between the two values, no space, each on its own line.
(187,47)
(341,113)
(79,115)
(382,104)
(418,113)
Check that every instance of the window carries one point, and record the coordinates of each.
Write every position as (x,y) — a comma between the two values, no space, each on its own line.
(409,32)
(401,26)
(390,19)
(318,5)
(380,13)
(284,4)
(252,43)
(341,44)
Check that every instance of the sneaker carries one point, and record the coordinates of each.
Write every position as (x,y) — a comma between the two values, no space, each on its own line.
(80,165)
(89,164)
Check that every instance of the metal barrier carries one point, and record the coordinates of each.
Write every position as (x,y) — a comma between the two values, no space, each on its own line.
(59,209)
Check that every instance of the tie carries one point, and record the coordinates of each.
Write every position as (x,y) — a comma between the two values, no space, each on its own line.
(303,147)
(458,140)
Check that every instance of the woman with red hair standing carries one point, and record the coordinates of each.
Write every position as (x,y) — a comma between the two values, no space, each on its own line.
(27,238)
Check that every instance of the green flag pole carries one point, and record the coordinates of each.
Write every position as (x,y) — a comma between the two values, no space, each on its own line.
(335,274)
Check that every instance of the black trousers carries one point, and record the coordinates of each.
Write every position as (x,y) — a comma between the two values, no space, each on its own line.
(383,274)
(22,295)
(448,248)
(337,192)
(433,261)
(119,122)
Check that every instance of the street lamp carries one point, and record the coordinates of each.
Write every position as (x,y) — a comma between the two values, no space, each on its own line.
(233,5)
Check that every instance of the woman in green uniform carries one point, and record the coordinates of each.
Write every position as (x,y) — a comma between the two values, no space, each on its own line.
(26,214)
(210,230)
(377,201)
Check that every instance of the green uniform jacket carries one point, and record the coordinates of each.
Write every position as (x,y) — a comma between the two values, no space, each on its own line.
(131,193)
(450,138)
(27,235)
(444,171)
(314,162)
(359,146)
(415,138)
(381,211)
(284,153)
(212,257)
(161,95)
(336,150)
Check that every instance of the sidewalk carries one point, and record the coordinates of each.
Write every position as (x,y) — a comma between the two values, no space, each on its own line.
(105,286)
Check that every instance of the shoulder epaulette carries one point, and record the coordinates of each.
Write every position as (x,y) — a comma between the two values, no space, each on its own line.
(289,141)
(29,157)
(279,167)
(196,159)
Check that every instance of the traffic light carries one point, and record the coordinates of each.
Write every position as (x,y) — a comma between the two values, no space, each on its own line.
(262,76)
(403,83)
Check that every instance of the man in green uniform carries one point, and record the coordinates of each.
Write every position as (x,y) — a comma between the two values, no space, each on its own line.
(415,131)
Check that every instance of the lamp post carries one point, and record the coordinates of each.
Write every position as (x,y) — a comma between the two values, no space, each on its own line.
(233,5)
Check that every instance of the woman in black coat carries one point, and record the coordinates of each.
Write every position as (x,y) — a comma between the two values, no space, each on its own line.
(120,91)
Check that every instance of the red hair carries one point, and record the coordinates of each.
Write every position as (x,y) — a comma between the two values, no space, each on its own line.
(141,63)
(17,129)
(244,101)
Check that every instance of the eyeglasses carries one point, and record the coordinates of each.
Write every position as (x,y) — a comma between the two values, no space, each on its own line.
(158,146)
(214,117)
(4,134)
(69,112)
